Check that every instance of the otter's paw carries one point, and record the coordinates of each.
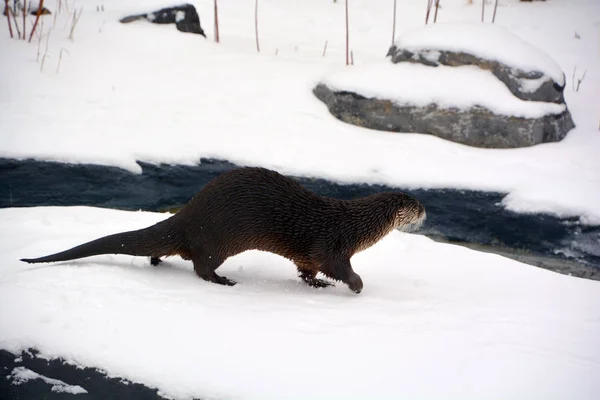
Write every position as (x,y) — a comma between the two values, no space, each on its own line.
(318,283)
(155,261)
(355,283)
(221,280)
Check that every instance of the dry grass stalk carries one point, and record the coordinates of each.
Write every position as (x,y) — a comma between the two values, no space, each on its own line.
(482,9)
(216,23)
(325,48)
(256,25)
(45,52)
(394,24)
(60,58)
(494,15)
(24,18)
(347,36)
(437,5)
(74,22)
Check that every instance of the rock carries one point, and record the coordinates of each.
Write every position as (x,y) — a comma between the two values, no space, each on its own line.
(526,85)
(184,17)
(477,126)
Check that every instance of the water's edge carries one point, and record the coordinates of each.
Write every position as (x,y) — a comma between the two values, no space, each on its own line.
(463,217)
(469,218)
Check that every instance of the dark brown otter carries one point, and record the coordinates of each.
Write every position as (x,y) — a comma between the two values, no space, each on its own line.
(255,208)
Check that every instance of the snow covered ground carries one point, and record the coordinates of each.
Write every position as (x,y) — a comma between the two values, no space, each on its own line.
(434,320)
(146,92)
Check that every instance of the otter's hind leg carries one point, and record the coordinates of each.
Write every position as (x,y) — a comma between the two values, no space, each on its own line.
(308,274)
(205,268)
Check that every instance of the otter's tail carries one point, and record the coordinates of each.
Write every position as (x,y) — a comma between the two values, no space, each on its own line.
(155,241)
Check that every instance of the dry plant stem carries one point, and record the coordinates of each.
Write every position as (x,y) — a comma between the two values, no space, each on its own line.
(37,19)
(6,6)
(429,5)
(60,58)
(437,5)
(24,18)
(59,6)
(351,57)
(256,25)
(75,20)
(10,11)
(37,59)
(580,80)
(482,9)
(494,14)
(325,49)
(216,22)
(394,24)
(347,36)
(45,52)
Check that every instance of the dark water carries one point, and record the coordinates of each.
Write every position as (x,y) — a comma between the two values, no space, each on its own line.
(466,217)
(452,215)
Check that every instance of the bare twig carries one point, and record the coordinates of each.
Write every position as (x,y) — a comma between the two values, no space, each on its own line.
(74,23)
(216,22)
(351,57)
(394,24)
(14,18)
(37,18)
(325,49)
(494,15)
(347,36)
(24,17)
(482,9)
(573,78)
(429,5)
(256,25)
(60,58)
(437,5)
(6,7)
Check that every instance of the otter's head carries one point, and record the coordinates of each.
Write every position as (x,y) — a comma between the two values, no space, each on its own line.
(409,212)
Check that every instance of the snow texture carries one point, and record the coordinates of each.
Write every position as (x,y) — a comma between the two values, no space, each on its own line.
(488,41)
(448,87)
(477,325)
(21,375)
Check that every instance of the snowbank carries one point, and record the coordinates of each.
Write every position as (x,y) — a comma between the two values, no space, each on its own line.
(448,87)
(487,41)
(477,325)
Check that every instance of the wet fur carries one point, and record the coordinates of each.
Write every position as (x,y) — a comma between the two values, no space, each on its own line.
(255,208)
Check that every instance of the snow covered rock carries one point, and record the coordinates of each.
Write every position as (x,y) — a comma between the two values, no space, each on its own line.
(184,17)
(477,85)
(478,126)
(528,72)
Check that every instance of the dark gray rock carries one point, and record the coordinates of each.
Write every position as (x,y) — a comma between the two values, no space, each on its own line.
(517,81)
(477,126)
(184,17)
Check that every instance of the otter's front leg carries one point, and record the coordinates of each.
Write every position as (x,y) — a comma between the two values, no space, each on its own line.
(341,270)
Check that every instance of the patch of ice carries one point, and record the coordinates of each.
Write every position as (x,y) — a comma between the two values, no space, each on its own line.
(21,375)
